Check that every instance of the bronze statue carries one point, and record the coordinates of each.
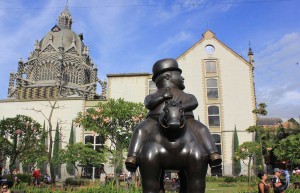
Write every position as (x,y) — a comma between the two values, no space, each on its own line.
(170,138)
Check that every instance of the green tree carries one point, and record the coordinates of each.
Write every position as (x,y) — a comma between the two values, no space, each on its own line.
(248,150)
(82,154)
(56,150)
(41,163)
(236,166)
(261,110)
(53,105)
(259,160)
(19,137)
(115,120)
(287,148)
(70,166)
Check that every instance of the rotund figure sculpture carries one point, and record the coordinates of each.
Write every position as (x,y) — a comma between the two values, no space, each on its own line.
(170,138)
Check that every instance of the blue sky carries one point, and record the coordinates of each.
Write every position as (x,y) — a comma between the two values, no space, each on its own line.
(130,35)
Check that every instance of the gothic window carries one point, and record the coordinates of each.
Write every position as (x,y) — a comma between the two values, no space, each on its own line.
(47,72)
(87,75)
(70,75)
(213,116)
(212,88)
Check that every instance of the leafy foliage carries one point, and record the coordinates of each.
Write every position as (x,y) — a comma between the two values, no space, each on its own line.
(82,154)
(248,150)
(115,120)
(20,138)
(261,110)
(287,148)
(70,166)
(236,170)
(56,149)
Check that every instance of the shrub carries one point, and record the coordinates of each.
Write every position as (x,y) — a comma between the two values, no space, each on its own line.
(25,178)
(228,179)
(76,182)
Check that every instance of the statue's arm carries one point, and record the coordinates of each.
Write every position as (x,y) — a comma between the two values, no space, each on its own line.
(155,99)
(190,103)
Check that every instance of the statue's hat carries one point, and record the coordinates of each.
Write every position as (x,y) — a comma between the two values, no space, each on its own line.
(164,65)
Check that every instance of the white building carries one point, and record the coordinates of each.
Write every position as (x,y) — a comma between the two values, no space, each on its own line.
(222,82)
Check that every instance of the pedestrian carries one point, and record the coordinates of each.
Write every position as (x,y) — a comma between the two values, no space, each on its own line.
(15,174)
(263,186)
(102,177)
(5,189)
(36,177)
(287,176)
(278,184)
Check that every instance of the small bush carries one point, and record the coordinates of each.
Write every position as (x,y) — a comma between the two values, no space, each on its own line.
(228,179)
(25,178)
(214,179)
(76,182)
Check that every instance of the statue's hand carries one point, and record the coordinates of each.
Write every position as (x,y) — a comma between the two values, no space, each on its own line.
(167,94)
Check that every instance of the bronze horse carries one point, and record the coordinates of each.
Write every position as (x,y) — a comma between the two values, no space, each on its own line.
(171,145)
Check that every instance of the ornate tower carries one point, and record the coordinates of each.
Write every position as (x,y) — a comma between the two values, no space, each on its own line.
(59,66)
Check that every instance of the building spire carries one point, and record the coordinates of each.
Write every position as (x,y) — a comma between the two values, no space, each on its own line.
(65,18)
(250,55)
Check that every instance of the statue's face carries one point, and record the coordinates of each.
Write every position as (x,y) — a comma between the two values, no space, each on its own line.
(177,79)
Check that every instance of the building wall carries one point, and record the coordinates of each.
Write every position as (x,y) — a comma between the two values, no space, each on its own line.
(132,88)
(236,93)
(65,114)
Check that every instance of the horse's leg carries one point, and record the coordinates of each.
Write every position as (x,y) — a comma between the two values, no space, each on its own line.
(150,169)
(195,172)
(150,179)
(182,181)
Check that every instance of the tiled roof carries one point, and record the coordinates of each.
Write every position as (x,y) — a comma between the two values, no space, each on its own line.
(268,121)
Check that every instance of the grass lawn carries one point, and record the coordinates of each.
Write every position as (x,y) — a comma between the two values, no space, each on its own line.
(238,188)
(227,187)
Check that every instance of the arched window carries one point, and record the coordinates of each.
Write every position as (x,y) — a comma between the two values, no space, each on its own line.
(70,75)
(47,72)
(214,116)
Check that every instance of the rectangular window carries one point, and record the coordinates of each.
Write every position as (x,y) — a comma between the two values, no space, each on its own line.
(210,66)
(213,116)
(217,171)
(212,88)
(97,141)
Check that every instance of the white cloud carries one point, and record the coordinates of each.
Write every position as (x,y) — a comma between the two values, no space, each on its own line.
(277,76)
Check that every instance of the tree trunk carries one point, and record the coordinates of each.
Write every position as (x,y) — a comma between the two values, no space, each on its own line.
(52,172)
(249,170)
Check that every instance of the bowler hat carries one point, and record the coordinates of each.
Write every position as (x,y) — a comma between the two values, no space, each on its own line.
(164,65)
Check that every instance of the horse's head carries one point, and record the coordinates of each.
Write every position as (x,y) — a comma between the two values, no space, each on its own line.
(172,119)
